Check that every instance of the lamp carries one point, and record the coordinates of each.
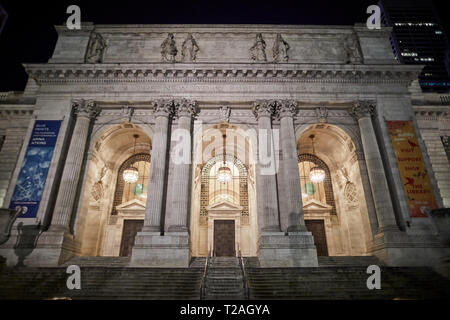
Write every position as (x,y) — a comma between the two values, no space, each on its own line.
(316,174)
(224,173)
(131,174)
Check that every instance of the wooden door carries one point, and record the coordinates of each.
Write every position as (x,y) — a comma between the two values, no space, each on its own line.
(317,228)
(224,238)
(130,229)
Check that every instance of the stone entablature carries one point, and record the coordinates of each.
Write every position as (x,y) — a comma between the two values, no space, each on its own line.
(220,43)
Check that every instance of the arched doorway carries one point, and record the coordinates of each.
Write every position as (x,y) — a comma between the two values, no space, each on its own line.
(335,208)
(112,210)
(223,220)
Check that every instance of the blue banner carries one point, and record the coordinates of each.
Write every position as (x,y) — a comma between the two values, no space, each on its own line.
(36,163)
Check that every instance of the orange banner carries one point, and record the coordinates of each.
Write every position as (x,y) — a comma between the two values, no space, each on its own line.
(413,172)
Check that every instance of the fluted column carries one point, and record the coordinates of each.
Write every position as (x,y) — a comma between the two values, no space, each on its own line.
(179,185)
(266,186)
(291,206)
(158,167)
(85,111)
(363,111)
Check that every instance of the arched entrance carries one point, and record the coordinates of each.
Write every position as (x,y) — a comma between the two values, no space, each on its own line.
(223,220)
(335,208)
(111,209)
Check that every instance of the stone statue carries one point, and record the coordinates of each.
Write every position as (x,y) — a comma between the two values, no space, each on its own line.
(352,51)
(280,49)
(95,49)
(189,48)
(169,49)
(258,50)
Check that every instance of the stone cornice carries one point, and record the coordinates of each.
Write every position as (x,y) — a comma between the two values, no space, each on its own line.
(222,72)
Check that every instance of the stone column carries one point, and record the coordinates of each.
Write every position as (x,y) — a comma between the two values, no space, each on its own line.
(362,111)
(151,248)
(268,215)
(276,248)
(158,167)
(177,214)
(291,206)
(85,110)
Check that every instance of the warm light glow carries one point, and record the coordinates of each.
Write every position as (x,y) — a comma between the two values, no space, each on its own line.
(223,196)
(131,175)
(317,175)
(224,175)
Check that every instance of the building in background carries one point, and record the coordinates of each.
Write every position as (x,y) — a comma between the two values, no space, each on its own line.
(3,17)
(418,37)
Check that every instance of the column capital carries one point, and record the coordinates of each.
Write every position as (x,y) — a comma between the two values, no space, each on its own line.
(362,109)
(185,108)
(164,108)
(264,108)
(286,108)
(85,108)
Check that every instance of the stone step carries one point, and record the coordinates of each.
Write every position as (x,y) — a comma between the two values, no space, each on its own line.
(348,261)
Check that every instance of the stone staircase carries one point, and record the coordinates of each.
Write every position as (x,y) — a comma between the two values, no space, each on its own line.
(109,262)
(102,283)
(224,280)
(346,283)
(349,261)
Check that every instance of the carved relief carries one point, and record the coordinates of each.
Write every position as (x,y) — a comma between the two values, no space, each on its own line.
(446,142)
(322,114)
(169,49)
(280,49)
(96,49)
(258,50)
(97,190)
(189,49)
(352,51)
(225,113)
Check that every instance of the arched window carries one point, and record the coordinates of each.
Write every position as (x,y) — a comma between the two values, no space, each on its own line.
(322,191)
(129,191)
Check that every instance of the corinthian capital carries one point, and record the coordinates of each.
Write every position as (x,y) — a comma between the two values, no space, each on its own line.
(164,108)
(362,109)
(85,108)
(185,108)
(286,108)
(264,108)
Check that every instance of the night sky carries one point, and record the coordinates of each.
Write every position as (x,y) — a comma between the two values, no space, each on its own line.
(29,35)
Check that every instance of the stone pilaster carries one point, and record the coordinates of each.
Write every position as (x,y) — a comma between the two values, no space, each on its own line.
(177,213)
(289,191)
(158,167)
(276,248)
(362,111)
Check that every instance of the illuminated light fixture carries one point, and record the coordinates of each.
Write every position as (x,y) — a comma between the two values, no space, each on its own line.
(316,174)
(131,174)
(224,173)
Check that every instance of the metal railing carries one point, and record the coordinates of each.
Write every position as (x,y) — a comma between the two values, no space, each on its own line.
(204,275)
(244,276)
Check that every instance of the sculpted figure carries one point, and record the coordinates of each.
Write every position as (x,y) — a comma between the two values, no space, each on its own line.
(189,48)
(280,49)
(352,52)
(169,49)
(258,50)
(95,49)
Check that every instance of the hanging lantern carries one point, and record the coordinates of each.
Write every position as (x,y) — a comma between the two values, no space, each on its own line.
(316,174)
(224,173)
(131,174)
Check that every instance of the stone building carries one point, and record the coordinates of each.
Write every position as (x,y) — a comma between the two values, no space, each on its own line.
(264,106)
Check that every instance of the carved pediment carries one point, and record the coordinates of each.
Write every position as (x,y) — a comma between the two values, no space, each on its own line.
(132,205)
(316,206)
(224,206)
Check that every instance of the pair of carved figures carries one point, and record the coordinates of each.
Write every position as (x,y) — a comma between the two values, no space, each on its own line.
(96,48)
(279,50)
(189,48)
